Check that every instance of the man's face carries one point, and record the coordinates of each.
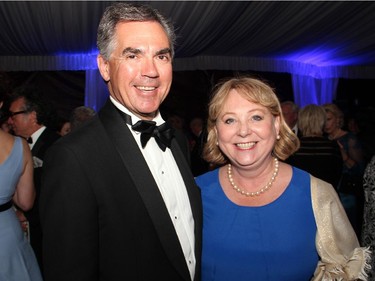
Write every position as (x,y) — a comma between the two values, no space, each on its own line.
(289,115)
(20,120)
(139,71)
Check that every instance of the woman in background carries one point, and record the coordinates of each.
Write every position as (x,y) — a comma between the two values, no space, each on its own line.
(350,187)
(264,219)
(317,155)
(17,259)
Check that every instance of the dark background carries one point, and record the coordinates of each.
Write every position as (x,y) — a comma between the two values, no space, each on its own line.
(188,96)
(190,90)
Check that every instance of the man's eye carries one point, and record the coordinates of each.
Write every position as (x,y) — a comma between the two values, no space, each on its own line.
(164,57)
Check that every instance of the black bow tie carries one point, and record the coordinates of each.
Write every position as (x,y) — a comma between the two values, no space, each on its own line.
(30,140)
(163,134)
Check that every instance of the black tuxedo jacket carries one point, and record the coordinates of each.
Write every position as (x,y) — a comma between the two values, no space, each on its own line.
(103,216)
(45,140)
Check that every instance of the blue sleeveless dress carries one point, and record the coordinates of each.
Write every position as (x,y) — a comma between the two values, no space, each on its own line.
(272,242)
(17,259)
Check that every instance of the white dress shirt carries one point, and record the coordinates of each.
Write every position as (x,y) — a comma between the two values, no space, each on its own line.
(36,135)
(171,186)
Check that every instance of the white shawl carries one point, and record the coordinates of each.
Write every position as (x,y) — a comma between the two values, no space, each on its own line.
(341,257)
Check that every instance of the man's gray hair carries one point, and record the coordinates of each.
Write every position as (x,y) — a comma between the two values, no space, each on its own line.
(124,12)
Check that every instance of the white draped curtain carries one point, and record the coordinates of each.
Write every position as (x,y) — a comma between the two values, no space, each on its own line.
(96,91)
(310,90)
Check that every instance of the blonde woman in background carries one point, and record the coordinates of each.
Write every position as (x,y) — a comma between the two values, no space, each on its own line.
(317,154)
(350,186)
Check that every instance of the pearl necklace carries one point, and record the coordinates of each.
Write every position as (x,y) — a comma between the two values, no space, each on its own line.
(260,191)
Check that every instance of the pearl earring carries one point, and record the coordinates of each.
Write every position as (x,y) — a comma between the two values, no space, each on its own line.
(278,137)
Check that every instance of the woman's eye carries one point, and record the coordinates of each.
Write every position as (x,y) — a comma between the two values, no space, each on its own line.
(229,121)
(257,118)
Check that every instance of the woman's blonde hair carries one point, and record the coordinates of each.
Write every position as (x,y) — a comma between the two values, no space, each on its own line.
(311,120)
(335,111)
(256,91)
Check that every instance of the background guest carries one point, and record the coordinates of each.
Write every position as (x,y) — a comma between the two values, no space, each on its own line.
(178,124)
(350,187)
(197,140)
(63,127)
(290,113)
(17,259)
(317,154)
(30,115)
(79,116)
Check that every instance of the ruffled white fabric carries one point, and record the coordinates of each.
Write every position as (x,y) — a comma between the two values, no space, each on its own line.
(341,257)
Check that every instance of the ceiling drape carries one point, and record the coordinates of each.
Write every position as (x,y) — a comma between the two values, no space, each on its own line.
(314,39)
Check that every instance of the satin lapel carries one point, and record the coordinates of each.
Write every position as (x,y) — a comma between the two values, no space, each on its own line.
(39,147)
(136,165)
(39,143)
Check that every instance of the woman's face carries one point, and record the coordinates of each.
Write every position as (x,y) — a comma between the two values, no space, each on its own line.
(246,131)
(331,123)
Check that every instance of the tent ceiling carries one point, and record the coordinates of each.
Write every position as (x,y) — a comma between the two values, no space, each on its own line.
(324,33)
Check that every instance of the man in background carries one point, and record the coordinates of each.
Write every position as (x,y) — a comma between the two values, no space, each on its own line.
(79,116)
(30,113)
(290,113)
(198,137)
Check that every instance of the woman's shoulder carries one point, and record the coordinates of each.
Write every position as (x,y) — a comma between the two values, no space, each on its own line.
(7,142)
(207,177)
(12,148)
(298,173)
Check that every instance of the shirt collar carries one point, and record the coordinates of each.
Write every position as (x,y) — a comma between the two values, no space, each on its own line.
(158,119)
(36,135)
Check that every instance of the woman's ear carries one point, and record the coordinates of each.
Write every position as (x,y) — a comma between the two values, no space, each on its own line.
(277,125)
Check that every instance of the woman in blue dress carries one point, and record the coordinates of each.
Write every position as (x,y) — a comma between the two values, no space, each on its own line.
(264,219)
(17,259)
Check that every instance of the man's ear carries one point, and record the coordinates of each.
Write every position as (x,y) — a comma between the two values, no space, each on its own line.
(33,117)
(103,66)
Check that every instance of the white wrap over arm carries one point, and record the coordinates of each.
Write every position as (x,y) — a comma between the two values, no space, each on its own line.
(341,257)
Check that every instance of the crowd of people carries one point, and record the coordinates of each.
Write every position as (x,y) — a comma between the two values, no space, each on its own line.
(259,189)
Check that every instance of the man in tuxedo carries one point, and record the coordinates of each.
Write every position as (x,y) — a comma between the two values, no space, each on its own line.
(114,206)
(290,112)
(30,113)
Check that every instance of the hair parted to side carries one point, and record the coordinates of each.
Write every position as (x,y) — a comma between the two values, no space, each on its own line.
(256,91)
(336,111)
(36,100)
(125,12)
(311,120)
